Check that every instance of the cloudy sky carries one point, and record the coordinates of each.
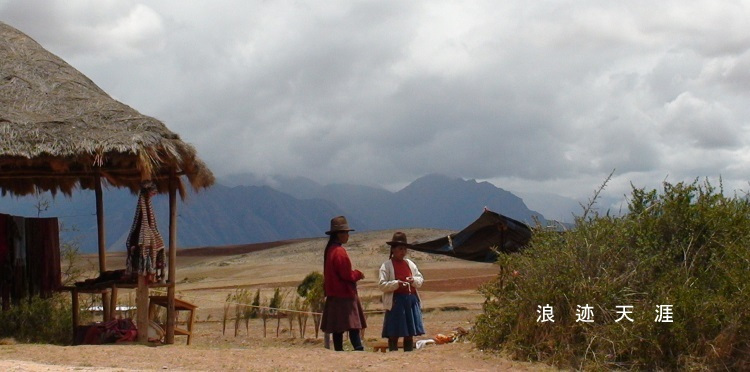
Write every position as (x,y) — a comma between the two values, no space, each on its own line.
(542,96)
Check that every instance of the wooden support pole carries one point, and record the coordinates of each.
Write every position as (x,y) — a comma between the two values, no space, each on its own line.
(76,310)
(169,339)
(101,242)
(113,302)
(100,224)
(141,299)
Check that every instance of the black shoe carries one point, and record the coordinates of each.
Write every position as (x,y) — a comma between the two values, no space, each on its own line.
(393,344)
(408,343)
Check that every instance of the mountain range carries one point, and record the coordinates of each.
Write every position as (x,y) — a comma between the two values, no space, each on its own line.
(243,209)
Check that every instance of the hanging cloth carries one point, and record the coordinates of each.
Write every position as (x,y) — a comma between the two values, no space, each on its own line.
(145,245)
(43,274)
(5,245)
(6,270)
(18,258)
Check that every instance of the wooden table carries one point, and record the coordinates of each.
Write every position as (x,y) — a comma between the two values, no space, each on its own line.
(104,287)
(179,305)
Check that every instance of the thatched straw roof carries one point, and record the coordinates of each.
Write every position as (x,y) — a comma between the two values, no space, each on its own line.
(58,130)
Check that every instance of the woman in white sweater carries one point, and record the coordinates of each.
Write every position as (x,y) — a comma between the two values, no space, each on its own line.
(399,279)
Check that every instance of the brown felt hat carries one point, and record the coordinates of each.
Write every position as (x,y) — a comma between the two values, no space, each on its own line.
(338,224)
(399,238)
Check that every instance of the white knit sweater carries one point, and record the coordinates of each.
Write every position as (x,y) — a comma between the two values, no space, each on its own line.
(387,281)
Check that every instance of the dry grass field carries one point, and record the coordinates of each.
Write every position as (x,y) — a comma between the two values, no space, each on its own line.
(206,276)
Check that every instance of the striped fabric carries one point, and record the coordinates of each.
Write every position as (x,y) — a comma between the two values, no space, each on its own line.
(145,244)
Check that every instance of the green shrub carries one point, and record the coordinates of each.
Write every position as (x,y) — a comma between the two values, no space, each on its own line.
(38,320)
(312,282)
(686,247)
(276,300)
(312,290)
(255,306)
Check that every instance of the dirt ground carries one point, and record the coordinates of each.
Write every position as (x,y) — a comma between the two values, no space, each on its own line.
(206,277)
(212,351)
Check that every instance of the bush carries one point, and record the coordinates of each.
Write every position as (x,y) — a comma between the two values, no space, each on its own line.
(38,320)
(255,306)
(685,247)
(312,290)
(312,282)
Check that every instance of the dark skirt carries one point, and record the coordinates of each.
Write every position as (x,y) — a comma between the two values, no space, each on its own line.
(404,318)
(342,315)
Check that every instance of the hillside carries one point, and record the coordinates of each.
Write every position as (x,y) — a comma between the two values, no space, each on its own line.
(207,274)
(245,214)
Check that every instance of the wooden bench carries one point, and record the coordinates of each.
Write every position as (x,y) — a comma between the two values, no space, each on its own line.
(179,305)
(382,346)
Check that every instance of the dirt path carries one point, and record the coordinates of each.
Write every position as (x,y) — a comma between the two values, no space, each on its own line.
(291,357)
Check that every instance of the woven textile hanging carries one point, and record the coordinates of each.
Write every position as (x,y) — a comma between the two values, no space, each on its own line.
(144,243)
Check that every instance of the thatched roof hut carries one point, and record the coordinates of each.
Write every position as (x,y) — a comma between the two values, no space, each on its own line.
(57,129)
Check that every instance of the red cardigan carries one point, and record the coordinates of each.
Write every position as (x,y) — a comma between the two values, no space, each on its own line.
(339,280)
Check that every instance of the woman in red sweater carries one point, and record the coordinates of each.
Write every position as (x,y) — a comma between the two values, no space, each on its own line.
(343,310)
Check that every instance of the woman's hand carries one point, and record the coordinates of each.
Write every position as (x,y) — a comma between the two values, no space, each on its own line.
(360,274)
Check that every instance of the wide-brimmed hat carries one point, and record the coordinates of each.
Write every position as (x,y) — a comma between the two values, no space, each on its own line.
(399,238)
(338,224)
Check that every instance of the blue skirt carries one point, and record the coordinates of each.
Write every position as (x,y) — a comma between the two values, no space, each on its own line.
(404,318)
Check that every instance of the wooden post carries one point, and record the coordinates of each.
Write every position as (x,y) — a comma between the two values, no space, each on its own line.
(76,311)
(102,246)
(141,299)
(113,302)
(169,339)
